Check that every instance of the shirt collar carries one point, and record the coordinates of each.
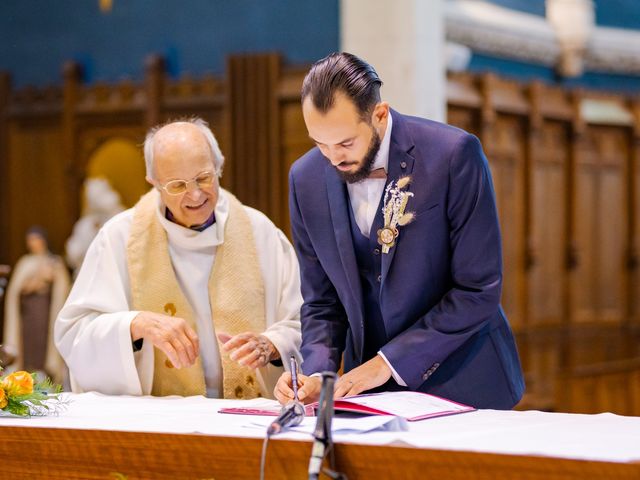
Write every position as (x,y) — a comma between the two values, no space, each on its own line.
(198,228)
(382,157)
(193,239)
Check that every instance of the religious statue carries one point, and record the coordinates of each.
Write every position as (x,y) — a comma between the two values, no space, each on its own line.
(102,202)
(36,292)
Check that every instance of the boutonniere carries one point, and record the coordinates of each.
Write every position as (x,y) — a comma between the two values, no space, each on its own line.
(395,202)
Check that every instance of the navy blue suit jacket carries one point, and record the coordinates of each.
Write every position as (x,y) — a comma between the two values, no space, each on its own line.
(441,282)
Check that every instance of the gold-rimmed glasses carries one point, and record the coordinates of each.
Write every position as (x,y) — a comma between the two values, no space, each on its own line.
(177,187)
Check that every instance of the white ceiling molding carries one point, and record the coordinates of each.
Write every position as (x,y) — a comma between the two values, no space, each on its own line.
(497,31)
(614,50)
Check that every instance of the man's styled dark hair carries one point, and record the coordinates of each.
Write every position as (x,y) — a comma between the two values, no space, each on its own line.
(346,73)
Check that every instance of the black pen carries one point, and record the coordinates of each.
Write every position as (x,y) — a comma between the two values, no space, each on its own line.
(294,377)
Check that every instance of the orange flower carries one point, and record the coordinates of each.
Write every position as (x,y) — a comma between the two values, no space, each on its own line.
(3,399)
(18,383)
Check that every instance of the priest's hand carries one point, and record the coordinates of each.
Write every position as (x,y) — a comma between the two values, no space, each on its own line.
(369,375)
(308,388)
(248,349)
(172,335)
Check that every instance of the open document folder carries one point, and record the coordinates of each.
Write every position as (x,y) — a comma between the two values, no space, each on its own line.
(411,406)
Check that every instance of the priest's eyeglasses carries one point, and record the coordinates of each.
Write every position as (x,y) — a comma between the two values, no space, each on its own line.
(178,187)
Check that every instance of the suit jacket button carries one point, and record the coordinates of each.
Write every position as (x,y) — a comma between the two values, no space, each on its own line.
(425,375)
(403,164)
(376,251)
(379,278)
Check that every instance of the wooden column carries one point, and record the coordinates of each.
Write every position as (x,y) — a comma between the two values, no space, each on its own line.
(577,135)
(254,169)
(529,354)
(534,144)
(5,221)
(72,76)
(563,389)
(578,132)
(504,138)
(633,261)
(154,85)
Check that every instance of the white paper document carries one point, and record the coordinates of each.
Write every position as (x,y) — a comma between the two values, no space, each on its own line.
(379,423)
(409,405)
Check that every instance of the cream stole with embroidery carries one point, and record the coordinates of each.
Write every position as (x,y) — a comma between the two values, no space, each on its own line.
(236,295)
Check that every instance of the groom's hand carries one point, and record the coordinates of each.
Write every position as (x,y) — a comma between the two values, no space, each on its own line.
(369,375)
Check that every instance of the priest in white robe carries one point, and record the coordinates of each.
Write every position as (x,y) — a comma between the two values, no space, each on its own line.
(187,293)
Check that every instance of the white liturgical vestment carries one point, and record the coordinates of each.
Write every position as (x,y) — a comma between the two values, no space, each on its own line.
(92,331)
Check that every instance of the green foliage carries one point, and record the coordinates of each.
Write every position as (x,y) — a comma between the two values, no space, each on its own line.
(17,408)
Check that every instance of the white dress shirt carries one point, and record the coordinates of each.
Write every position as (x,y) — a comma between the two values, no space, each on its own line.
(364,197)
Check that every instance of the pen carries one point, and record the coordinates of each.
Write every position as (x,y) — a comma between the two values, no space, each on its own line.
(294,377)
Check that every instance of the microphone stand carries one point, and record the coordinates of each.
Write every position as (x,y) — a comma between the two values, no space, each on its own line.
(323,442)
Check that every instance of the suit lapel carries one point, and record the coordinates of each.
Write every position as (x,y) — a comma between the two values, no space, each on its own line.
(400,165)
(339,209)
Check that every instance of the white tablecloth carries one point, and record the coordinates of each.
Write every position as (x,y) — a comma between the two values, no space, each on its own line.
(603,437)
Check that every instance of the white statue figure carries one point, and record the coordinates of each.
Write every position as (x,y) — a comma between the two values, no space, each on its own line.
(102,202)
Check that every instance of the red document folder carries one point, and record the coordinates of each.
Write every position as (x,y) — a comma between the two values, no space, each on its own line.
(273,412)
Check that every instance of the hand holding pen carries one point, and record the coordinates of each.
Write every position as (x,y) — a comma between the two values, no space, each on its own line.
(287,390)
(294,377)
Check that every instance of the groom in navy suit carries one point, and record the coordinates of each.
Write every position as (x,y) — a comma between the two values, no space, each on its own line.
(395,226)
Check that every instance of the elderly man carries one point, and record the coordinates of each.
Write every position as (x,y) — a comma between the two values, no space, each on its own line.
(187,293)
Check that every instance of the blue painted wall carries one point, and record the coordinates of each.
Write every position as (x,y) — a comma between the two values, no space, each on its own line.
(38,36)
(618,13)
(535,7)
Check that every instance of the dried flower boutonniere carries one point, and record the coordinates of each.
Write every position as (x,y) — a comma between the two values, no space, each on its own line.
(395,202)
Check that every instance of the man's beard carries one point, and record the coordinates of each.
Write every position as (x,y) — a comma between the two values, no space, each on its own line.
(367,162)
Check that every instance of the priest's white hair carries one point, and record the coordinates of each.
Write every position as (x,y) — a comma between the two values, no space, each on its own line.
(218,158)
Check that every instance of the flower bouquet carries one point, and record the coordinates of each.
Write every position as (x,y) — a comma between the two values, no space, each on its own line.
(23,394)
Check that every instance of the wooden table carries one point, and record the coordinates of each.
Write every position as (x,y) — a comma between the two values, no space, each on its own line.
(60,453)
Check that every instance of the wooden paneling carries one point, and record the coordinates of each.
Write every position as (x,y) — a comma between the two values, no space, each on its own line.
(56,130)
(567,194)
(633,260)
(35,183)
(600,226)
(567,188)
(504,141)
(549,160)
(294,140)
(607,387)
(5,239)
(504,145)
